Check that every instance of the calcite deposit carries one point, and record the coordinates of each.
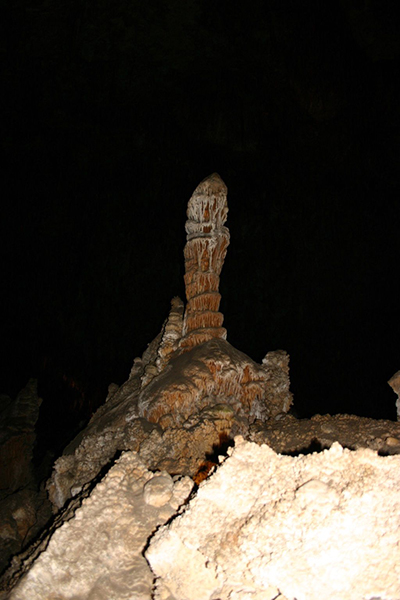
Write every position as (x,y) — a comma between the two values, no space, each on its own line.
(98,552)
(261,525)
(212,371)
(394,383)
(205,250)
(289,435)
(166,343)
(187,377)
(268,527)
(215,372)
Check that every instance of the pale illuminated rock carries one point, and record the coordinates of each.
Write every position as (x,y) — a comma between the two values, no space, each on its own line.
(98,553)
(84,458)
(267,526)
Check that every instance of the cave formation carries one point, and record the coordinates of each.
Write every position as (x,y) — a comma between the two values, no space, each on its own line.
(191,404)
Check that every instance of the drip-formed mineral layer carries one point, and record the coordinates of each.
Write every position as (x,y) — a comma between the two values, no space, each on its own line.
(205,251)
(215,372)
(171,334)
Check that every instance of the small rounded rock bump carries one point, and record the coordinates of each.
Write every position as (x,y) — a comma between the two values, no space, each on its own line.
(158,490)
(392,441)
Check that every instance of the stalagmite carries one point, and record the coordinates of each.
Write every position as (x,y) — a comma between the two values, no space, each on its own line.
(190,387)
(265,525)
(205,251)
(203,368)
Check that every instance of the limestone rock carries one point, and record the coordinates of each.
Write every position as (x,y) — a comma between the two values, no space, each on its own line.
(191,449)
(112,429)
(266,526)
(117,426)
(205,251)
(288,435)
(171,334)
(168,341)
(277,392)
(394,383)
(80,465)
(187,371)
(189,391)
(211,373)
(98,552)
(21,502)
(177,450)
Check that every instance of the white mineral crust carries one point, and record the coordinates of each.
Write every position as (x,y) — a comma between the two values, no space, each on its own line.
(268,526)
(97,555)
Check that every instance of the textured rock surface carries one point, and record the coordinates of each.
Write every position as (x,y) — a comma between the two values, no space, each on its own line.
(97,554)
(111,430)
(167,343)
(176,389)
(205,251)
(193,449)
(215,372)
(290,435)
(265,526)
(23,507)
(394,383)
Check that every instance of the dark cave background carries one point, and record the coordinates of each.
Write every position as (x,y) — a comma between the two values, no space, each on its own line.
(113,112)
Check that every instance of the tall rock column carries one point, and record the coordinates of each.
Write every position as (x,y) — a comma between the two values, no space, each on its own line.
(205,251)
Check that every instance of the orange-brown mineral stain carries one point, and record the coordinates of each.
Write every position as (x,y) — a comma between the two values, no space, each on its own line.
(212,459)
(203,471)
(204,253)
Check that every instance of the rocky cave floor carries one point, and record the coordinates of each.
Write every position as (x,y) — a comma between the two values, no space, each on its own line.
(27,520)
